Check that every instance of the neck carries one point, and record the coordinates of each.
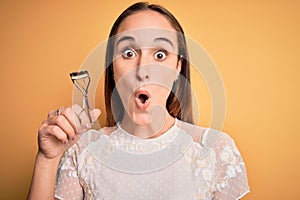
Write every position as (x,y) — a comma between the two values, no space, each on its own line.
(156,128)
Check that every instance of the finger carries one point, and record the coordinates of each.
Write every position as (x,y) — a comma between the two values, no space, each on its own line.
(64,125)
(85,120)
(57,132)
(95,113)
(51,113)
(76,108)
(82,117)
(72,118)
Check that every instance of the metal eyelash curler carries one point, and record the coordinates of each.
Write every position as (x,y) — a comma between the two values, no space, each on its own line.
(81,80)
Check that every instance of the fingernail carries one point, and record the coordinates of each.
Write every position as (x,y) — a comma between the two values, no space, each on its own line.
(88,126)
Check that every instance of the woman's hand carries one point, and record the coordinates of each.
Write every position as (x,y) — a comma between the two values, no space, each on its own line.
(61,129)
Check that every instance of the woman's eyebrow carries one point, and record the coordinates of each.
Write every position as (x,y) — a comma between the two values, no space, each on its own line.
(165,40)
(125,38)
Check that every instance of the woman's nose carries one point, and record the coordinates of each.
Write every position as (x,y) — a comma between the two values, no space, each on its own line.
(142,71)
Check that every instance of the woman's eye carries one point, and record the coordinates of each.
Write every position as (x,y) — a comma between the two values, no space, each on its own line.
(128,53)
(160,55)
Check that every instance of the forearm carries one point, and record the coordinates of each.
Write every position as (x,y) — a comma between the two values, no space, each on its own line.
(43,180)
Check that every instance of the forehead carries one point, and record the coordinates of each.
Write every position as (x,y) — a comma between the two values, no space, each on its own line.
(147,37)
(145,19)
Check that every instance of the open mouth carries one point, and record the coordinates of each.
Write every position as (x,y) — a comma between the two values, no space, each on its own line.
(142,98)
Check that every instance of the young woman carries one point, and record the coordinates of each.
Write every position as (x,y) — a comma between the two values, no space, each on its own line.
(149,149)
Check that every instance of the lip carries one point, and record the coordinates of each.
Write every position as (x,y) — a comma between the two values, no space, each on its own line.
(142,98)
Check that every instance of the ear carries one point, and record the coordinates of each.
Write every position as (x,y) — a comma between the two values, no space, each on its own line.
(178,67)
(179,63)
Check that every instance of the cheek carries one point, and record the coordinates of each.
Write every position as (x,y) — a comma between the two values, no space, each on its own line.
(160,94)
(172,62)
(118,70)
(122,67)
(124,79)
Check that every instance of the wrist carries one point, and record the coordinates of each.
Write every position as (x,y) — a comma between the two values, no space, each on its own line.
(41,157)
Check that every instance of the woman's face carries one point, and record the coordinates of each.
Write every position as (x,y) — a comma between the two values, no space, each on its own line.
(146,65)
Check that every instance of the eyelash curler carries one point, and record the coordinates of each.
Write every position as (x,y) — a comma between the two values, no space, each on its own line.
(81,80)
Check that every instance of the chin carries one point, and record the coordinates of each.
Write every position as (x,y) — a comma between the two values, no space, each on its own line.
(141,119)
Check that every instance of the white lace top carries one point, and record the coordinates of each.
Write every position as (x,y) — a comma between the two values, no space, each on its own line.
(186,162)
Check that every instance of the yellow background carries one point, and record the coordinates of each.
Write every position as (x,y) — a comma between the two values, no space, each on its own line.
(255,45)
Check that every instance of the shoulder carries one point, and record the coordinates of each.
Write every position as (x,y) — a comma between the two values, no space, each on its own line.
(202,135)
(88,138)
(218,142)
(208,138)
(88,142)
(194,131)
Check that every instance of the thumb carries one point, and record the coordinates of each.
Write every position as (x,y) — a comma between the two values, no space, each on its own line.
(95,113)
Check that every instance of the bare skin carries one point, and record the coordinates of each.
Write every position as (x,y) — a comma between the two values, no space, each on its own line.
(55,135)
(59,132)
(142,55)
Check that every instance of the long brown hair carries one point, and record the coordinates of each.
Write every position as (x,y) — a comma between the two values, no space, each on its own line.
(179,103)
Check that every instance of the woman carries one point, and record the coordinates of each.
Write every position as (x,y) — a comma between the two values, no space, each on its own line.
(149,149)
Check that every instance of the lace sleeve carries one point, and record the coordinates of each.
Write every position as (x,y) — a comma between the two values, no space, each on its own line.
(231,176)
(67,181)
